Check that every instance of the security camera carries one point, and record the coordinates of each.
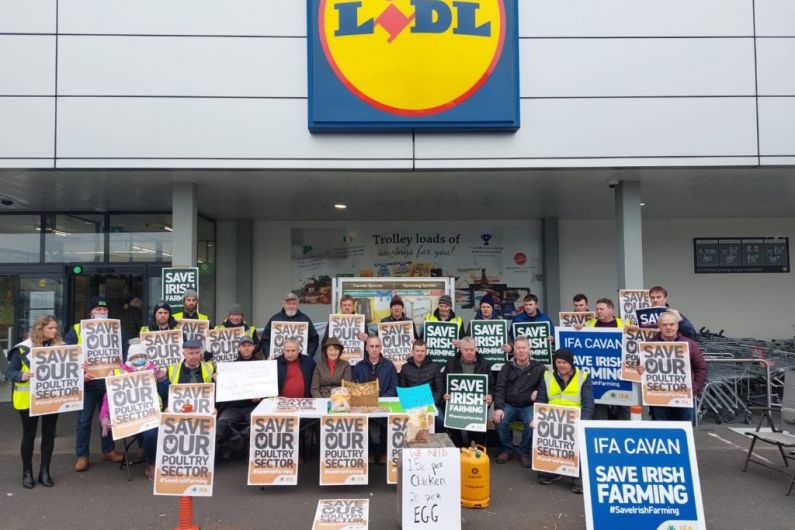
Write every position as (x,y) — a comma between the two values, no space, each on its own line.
(612,183)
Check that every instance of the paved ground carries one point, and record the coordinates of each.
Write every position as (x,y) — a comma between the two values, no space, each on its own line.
(102,497)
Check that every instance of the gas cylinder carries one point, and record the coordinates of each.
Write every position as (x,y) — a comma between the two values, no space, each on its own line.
(475,477)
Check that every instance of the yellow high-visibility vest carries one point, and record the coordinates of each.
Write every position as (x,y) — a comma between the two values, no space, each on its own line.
(175,369)
(571,395)
(21,395)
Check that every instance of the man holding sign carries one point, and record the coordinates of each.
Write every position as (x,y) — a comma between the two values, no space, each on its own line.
(419,370)
(234,418)
(290,313)
(192,369)
(532,313)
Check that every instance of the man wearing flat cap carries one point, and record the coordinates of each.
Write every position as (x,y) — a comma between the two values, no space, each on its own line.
(290,313)
(192,369)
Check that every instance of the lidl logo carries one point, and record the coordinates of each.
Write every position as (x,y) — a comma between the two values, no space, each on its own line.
(428,64)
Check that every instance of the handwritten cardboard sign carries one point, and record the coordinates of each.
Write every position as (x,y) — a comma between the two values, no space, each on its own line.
(246,380)
(430,484)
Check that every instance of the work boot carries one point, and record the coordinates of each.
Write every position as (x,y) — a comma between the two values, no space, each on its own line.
(44,477)
(576,486)
(112,456)
(81,464)
(547,478)
(504,457)
(27,478)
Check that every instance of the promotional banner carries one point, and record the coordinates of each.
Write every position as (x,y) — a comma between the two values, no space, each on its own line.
(568,319)
(194,329)
(281,331)
(101,340)
(246,380)
(466,409)
(222,343)
(439,337)
(298,405)
(630,300)
(430,483)
(647,318)
(163,348)
(538,334)
(640,475)
(57,382)
(489,337)
(134,403)
(200,397)
(342,514)
(185,455)
(176,280)
(343,450)
(556,447)
(598,351)
(666,380)
(396,340)
(630,356)
(347,328)
(273,451)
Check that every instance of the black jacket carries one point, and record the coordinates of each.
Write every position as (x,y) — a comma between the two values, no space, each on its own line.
(428,372)
(281,316)
(453,366)
(515,385)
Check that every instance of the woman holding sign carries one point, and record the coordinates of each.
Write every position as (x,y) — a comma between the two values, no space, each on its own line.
(43,333)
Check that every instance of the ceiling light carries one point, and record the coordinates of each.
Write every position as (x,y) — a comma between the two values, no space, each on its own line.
(643,204)
(340,206)
(167,228)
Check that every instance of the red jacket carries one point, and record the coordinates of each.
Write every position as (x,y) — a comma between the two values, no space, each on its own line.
(698,365)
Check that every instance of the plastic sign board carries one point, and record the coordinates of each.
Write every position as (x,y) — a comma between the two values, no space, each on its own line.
(176,280)
(413,64)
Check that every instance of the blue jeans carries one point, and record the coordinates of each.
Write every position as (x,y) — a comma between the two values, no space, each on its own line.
(672,414)
(523,414)
(92,399)
(148,440)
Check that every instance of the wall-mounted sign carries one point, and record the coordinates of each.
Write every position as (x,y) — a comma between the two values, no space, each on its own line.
(747,254)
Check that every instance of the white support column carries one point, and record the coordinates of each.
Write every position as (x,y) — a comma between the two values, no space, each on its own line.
(629,231)
(184,210)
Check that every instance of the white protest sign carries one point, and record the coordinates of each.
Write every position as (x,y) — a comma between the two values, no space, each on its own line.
(134,403)
(281,331)
(246,380)
(430,483)
(57,382)
(343,450)
(630,355)
(199,396)
(666,380)
(342,514)
(396,339)
(273,451)
(163,348)
(629,300)
(556,447)
(101,340)
(347,328)
(194,329)
(570,319)
(185,455)
(223,342)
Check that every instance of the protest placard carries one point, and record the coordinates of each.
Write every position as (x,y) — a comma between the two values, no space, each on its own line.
(648,317)
(163,348)
(57,382)
(193,329)
(396,340)
(281,331)
(222,343)
(430,487)
(640,475)
(347,328)
(629,300)
(568,319)
(598,351)
(101,340)
(246,380)
(489,337)
(283,405)
(175,281)
(185,455)
(342,514)
(134,403)
(343,450)
(630,356)
(556,447)
(666,379)
(273,451)
(397,428)
(439,337)
(466,409)
(538,334)
(415,397)
(200,397)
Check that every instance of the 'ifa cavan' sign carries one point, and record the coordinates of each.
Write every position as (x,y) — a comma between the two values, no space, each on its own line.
(413,64)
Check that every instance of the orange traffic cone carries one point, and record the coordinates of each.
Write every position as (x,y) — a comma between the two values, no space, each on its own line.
(186,514)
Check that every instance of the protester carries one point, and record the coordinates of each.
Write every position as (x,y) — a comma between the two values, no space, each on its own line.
(444,313)
(580,302)
(532,313)
(568,386)
(190,307)
(295,371)
(234,417)
(93,393)
(136,362)
(44,332)
(331,371)
(469,361)
(605,316)
(520,383)
(192,369)
(397,313)
(290,313)
(161,320)
(347,307)
(235,318)
(419,370)
(486,312)
(659,298)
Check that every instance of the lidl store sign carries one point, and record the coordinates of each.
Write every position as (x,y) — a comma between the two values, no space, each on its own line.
(402,64)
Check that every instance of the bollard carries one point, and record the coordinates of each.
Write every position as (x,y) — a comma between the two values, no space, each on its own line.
(185,521)
(636,413)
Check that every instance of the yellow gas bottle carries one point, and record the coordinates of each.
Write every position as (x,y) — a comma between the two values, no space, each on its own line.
(475,477)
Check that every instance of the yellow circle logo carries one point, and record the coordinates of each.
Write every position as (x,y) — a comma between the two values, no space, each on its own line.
(412,57)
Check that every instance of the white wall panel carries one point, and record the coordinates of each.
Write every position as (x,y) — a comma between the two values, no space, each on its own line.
(182,66)
(27,16)
(621,18)
(637,67)
(184,17)
(775,17)
(27,65)
(652,127)
(208,128)
(775,63)
(777,126)
(27,127)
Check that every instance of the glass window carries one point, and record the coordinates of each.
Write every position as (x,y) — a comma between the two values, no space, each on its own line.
(205,260)
(74,238)
(20,238)
(140,238)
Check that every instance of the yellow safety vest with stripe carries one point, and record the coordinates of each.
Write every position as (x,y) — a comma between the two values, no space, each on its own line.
(175,369)
(592,323)
(251,331)
(179,316)
(21,395)
(569,396)
(119,371)
(76,327)
(430,317)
